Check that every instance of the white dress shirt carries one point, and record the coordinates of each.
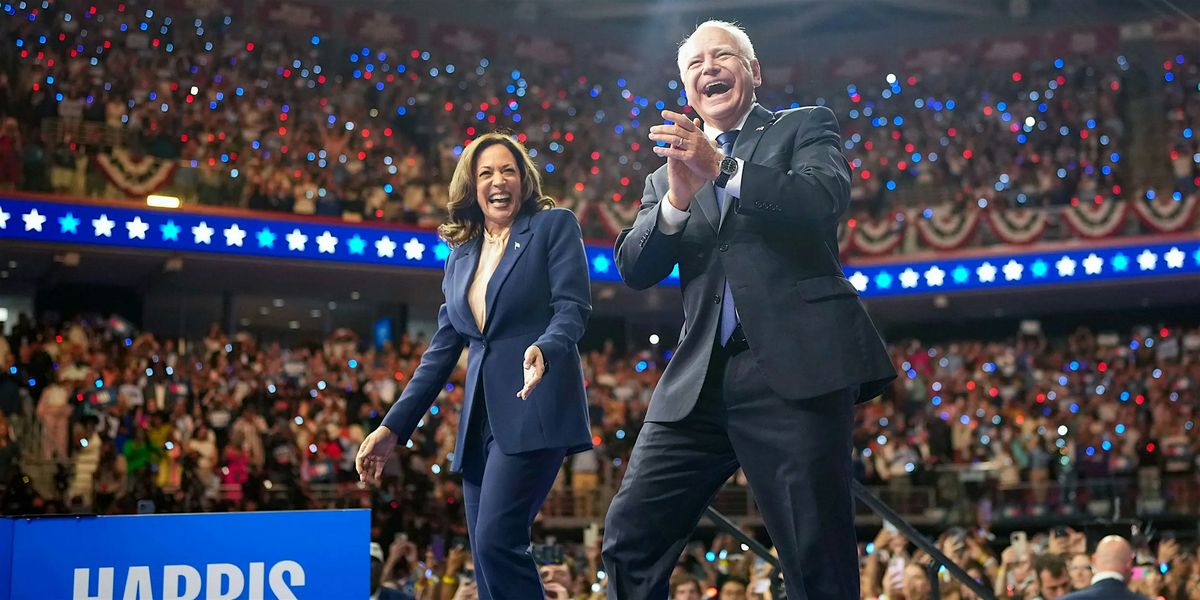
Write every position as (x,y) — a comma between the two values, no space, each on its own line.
(1102,575)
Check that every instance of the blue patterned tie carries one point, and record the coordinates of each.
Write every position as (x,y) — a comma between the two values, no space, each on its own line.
(729,318)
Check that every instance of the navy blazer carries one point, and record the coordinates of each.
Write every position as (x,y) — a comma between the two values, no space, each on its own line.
(540,294)
(1105,589)
(777,246)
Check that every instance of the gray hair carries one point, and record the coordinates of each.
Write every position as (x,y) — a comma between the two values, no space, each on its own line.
(744,47)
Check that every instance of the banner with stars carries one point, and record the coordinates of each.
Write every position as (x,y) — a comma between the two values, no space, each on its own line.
(1115,261)
(224,232)
(185,231)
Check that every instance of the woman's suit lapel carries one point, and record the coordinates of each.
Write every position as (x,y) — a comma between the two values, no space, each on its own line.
(464,273)
(518,244)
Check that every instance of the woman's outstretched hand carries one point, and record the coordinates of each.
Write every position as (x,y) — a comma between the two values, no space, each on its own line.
(535,367)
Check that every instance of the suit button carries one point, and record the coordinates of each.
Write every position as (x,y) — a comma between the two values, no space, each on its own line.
(716,299)
(724,247)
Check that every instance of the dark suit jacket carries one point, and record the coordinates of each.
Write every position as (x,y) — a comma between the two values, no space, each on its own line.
(1105,589)
(777,244)
(539,295)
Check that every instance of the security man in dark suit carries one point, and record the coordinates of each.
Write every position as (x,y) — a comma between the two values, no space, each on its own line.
(1112,564)
(776,347)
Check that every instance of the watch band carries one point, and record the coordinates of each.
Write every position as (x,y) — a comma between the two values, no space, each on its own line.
(729,167)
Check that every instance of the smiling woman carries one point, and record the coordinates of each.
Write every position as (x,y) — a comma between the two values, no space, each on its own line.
(517,293)
(492,171)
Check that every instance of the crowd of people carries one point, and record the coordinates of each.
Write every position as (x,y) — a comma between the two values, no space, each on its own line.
(1181,81)
(230,423)
(264,120)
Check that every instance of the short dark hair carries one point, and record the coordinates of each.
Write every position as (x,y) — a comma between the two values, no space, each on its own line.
(732,579)
(1055,564)
(684,579)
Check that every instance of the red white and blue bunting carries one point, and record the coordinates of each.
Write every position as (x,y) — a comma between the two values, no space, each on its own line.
(945,230)
(875,237)
(1018,225)
(135,176)
(1094,221)
(1166,214)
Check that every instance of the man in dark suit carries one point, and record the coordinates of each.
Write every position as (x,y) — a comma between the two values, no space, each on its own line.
(1113,564)
(776,347)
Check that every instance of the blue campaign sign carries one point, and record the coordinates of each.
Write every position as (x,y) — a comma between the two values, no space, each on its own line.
(227,556)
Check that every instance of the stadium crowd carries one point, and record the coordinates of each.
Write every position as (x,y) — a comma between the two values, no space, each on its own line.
(222,424)
(274,121)
(1181,81)
(261,120)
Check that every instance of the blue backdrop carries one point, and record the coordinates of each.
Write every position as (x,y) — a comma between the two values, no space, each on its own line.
(267,555)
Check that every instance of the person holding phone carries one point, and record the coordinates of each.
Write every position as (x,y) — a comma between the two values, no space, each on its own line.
(1016,575)
(517,293)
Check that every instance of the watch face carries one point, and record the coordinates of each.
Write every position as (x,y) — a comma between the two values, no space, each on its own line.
(728,166)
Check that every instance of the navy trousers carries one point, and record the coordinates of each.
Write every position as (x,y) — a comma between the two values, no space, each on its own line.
(797,458)
(503,493)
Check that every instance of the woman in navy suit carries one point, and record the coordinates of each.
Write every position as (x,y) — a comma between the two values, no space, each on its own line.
(517,294)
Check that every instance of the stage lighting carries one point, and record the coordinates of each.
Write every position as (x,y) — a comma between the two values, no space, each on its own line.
(158,201)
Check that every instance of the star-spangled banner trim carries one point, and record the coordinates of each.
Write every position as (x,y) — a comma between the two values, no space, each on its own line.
(253,235)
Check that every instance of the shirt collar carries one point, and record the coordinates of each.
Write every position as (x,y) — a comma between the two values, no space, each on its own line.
(712,132)
(1102,575)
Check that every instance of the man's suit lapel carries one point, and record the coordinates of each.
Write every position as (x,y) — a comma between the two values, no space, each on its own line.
(748,138)
(518,242)
(464,274)
(706,199)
